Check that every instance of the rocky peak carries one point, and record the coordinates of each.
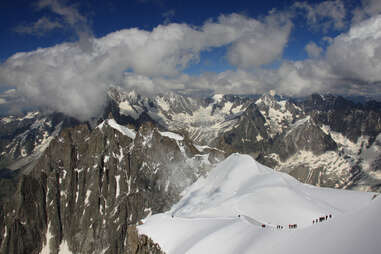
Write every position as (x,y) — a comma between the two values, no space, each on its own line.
(267,100)
(343,116)
(304,135)
(279,113)
(91,184)
(248,135)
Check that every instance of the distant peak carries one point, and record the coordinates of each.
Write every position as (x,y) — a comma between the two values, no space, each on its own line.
(272,93)
(217,97)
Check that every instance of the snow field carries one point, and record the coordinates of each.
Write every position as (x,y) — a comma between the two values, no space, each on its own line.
(223,213)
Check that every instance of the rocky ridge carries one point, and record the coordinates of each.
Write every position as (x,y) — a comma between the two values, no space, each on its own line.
(91,184)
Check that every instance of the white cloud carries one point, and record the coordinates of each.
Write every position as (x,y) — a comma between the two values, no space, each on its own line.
(368,9)
(313,50)
(69,13)
(324,15)
(71,18)
(71,79)
(292,78)
(357,54)
(350,66)
(260,43)
(40,27)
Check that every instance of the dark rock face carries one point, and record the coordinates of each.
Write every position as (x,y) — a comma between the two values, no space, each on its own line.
(304,136)
(90,185)
(346,117)
(23,220)
(141,244)
(252,135)
(277,132)
(249,136)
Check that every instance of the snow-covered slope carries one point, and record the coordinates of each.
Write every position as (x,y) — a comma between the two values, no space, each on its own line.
(224,213)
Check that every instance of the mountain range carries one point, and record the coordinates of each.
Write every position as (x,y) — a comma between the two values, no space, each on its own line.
(84,186)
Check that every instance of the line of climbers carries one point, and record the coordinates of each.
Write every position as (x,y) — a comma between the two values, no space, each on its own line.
(293,226)
(322,218)
(290,226)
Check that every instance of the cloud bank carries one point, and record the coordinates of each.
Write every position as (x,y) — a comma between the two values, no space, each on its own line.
(71,79)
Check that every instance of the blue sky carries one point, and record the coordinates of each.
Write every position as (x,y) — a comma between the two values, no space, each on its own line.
(68,52)
(109,16)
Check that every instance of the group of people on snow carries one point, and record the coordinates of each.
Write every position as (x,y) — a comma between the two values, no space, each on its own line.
(294,226)
(290,226)
(322,218)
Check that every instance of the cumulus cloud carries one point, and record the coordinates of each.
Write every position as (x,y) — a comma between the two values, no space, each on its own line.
(357,54)
(367,9)
(351,65)
(325,15)
(313,50)
(40,27)
(260,43)
(292,78)
(72,80)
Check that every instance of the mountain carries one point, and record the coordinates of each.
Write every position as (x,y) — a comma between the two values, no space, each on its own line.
(322,140)
(91,184)
(342,136)
(24,139)
(241,207)
(82,187)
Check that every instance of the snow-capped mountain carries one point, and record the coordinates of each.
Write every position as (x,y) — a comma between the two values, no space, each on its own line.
(322,140)
(83,187)
(245,207)
(25,138)
(203,120)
